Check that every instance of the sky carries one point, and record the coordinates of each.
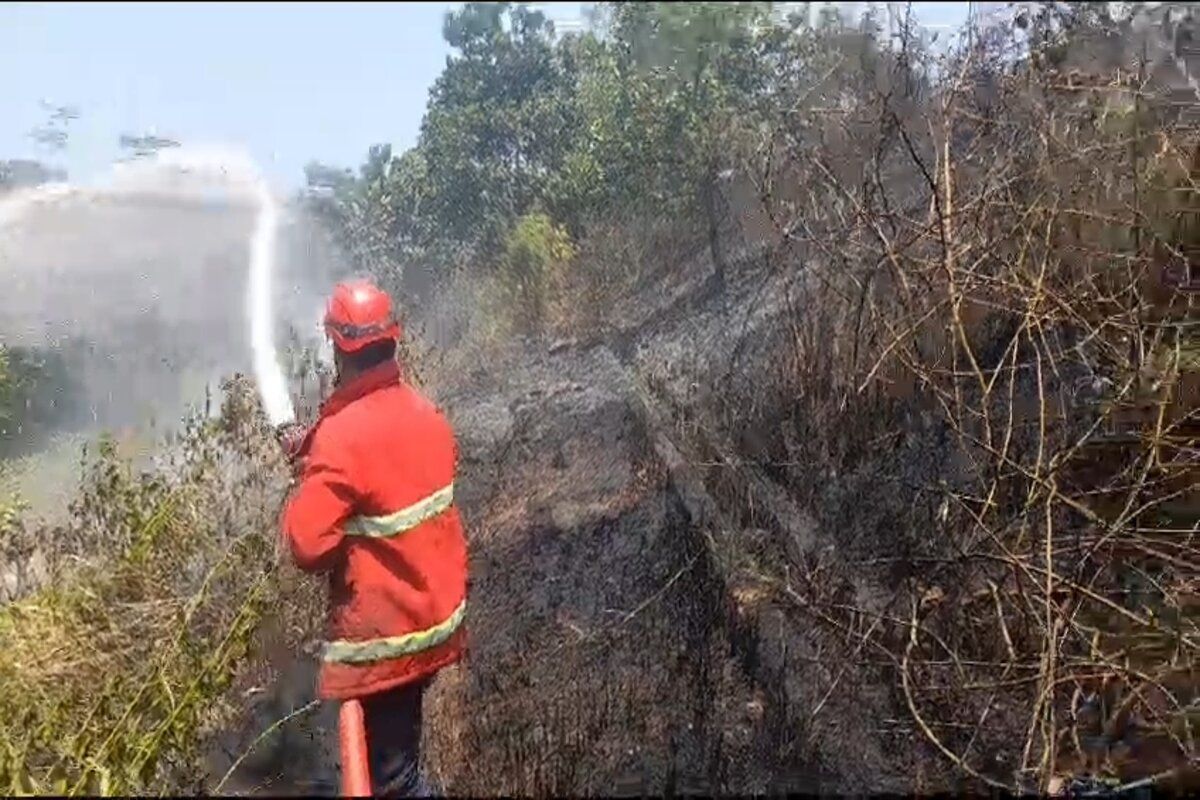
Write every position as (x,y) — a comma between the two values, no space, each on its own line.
(289,82)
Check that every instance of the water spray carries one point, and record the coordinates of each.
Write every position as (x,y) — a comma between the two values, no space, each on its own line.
(272,385)
(190,174)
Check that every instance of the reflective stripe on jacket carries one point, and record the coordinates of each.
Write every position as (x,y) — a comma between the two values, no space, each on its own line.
(375,508)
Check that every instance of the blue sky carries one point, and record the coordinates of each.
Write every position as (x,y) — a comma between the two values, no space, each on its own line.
(288,81)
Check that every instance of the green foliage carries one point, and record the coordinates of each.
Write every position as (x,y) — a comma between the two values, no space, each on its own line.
(536,252)
(111,674)
(36,394)
(536,246)
(499,123)
(635,117)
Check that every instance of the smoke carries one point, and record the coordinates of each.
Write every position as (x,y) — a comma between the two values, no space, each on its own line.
(143,283)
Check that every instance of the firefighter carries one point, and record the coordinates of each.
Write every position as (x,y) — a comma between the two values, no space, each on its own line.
(373,507)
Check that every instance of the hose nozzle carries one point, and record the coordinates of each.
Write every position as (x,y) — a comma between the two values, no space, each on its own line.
(290,436)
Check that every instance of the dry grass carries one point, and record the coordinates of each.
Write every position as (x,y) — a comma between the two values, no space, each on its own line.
(615,261)
(990,392)
(990,397)
(996,366)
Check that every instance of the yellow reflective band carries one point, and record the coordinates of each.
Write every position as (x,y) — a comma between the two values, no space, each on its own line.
(372,650)
(403,520)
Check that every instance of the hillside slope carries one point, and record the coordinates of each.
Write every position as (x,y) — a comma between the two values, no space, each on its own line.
(621,638)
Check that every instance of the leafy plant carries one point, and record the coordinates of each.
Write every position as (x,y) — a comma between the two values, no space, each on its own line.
(536,252)
(37,393)
(112,673)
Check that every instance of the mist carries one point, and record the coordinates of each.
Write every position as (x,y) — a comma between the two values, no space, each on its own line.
(140,285)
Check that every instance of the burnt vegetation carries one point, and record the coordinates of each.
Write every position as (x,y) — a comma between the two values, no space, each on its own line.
(827,400)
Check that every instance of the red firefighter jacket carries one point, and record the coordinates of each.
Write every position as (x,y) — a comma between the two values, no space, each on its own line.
(374,508)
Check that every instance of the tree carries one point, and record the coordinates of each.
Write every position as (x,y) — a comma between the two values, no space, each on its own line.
(690,70)
(318,176)
(52,137)
(638,118)
(499,124)
(18,172)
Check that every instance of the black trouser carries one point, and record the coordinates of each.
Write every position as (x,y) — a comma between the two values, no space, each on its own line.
(393,723)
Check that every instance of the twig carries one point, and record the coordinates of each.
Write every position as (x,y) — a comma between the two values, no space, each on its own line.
(274,726)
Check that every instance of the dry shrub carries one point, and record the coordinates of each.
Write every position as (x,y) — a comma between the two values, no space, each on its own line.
(546,284)
(479,311)
(615,260)
(113,673)
(468,325)
(993,384)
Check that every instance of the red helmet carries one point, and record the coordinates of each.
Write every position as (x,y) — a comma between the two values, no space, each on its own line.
(360,313)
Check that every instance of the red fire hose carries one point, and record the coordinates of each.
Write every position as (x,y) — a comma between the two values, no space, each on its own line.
(352,732)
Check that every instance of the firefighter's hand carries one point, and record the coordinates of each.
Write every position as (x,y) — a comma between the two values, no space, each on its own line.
(291,438)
